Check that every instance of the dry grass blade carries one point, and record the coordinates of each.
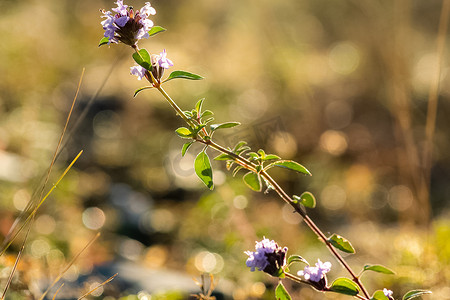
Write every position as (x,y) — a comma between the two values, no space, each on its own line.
(434,88)
(69,265)
(8,283)
(12,234)
(62,134)
(98,286)
(57,291)
(33,213)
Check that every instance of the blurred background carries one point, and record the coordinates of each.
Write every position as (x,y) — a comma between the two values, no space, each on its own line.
(339,86)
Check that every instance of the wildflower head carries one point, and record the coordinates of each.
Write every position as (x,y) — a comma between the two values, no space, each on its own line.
(159,64)
(388,293)
(138,71)
(268,257)
(316,275)
(126,25)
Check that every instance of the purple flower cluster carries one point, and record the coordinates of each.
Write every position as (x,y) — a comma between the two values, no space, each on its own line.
(268,257)
(316,273)
(127,26)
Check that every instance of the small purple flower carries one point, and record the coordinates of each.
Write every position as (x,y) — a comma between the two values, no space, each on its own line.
(147,9)
(108,26)
(138,71)
(121,8)
(316,273)
(163,61)
(159,64)
(127,26)
(268,257)
(388,293)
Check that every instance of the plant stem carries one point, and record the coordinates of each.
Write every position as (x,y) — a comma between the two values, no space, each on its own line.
(251,166)
(295,278)
(175,106)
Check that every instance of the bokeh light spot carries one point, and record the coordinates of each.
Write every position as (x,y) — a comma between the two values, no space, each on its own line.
(209,262)
(333,142)
(71,274)
(344,58)
(400,197)
(333,197)
(284,144)
(130,249)
(240,202)
(45,224)
(98,289)
(39,248)
(257,289)
(219,177)
(21,199)
(162,220)
(93,218)
(156,256)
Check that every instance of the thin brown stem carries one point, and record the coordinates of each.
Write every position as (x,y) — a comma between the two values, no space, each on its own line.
(295,278)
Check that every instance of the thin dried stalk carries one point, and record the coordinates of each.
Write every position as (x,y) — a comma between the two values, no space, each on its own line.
(69,265)
(100,285)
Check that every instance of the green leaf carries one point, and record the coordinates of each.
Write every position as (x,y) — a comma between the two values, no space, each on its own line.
(296,258)
(344,286)
(184,132)
(198,105)
(199,127)
(183,75)
(206,113)
(103,41)
(239,145)
(155,30)
(224,125)
(379,295)
(253,181)
(208,120)
(142,58)
(270,157)
(236,170)
(242,150)
(378,268)
(261,153)
(141,89)
(341,243)
(253,155)
(185,148)
(281,293)
(223,156)
(203,169)
(188,114)
(289,164)
(307,199)
(415,294)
